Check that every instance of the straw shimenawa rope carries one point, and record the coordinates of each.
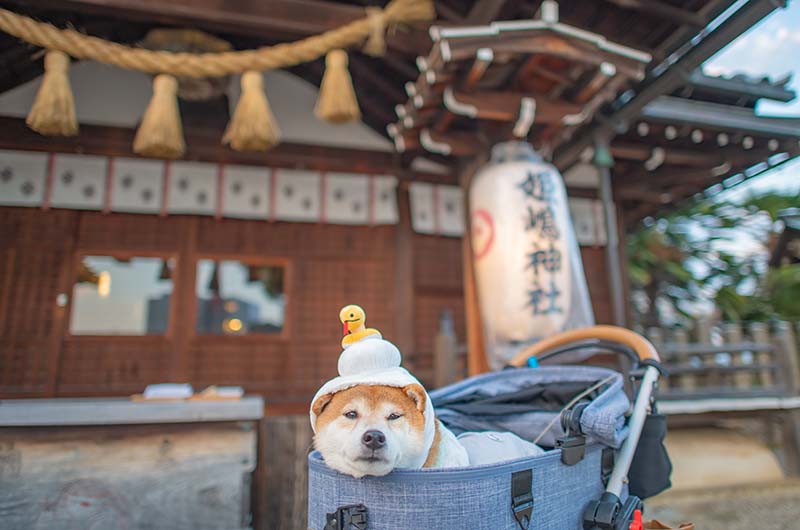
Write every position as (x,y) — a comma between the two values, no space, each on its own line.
(253,127)
(81,46)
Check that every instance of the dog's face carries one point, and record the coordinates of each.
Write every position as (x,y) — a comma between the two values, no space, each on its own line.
(370,430)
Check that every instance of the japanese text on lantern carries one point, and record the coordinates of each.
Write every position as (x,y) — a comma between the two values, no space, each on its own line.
(544,259)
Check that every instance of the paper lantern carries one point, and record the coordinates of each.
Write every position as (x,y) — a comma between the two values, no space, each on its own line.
(527,262)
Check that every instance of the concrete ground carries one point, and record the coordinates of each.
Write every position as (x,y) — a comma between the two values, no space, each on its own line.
(765,506)
(725,479)
(710,457)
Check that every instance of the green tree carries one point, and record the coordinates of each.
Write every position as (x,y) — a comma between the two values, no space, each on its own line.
(712,256)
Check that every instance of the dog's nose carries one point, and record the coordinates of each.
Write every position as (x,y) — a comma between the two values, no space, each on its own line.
(374,439)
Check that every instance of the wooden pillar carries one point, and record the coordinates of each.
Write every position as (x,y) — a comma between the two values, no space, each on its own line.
(760,335)
(613,254)
(732,332)
(786,350)
(183,312)
(681,338)
(404,275)
(711,377)
(477,360)
(62,306)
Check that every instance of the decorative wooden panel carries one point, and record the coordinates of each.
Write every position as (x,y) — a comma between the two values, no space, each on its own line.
(594,266)
(35,246)
(130,232)
(112,365)
(437,264)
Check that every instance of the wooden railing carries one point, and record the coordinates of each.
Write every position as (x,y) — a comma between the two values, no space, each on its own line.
(730,371)
(731,360)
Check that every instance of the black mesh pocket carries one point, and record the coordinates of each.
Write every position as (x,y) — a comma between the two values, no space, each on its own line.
(651,467)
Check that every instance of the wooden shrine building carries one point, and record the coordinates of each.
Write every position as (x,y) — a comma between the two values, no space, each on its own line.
(229,268)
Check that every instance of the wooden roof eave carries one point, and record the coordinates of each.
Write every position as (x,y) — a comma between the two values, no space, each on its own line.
(434,101)
(456,44)
(477,36)
(741,87)
(672,110)
(668,76)
(709,184)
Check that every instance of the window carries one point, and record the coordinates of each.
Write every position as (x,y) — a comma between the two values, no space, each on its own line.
(122,296)
(236,298)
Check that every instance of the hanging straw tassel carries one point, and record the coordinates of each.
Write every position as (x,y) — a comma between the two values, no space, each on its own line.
(337,100)
(253,127)
(53,111)
(376,43)
(160,134)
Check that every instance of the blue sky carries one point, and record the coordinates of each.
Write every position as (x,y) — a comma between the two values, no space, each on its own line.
(771,48)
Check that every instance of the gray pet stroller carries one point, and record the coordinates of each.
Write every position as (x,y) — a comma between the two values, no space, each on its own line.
(604,455)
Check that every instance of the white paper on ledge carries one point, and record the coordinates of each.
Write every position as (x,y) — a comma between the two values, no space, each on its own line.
(168,391)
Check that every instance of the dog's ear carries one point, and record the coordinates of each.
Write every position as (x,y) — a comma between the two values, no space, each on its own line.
(319,405)
(417,394)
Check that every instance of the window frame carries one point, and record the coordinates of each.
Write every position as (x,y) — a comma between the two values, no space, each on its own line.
(169,333)
(247,259)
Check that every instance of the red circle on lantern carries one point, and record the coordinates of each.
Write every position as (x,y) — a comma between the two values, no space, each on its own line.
(482,222)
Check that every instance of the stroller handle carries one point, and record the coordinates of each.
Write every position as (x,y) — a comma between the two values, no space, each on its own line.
(643,347)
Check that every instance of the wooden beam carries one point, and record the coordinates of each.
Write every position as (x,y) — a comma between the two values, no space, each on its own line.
(449,13)
(485,11)
(683,157)
(367,70)
(547,42)
(205,146)
(504,106)
(253,17)
(662,9)
(274,20)
(448,144)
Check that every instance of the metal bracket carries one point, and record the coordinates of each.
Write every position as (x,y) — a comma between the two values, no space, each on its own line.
(657,157)
(455,106)
(432,145)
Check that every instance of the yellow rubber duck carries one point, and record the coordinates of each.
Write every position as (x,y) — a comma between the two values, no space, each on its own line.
(354,319)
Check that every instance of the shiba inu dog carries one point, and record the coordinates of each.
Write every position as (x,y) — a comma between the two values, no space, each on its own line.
(375,416)
(373,429)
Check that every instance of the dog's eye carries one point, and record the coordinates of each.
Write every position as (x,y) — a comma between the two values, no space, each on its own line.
(394,416)
(351,415)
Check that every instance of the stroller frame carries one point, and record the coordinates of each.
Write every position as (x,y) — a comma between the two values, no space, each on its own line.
(609,512)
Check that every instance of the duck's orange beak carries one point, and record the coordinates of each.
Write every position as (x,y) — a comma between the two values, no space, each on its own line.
(346,329)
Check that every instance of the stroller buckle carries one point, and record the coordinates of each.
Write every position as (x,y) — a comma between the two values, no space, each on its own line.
(572,449)
(352,517)
(522,497)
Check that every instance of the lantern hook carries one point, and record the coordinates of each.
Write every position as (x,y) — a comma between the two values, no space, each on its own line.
(527,115)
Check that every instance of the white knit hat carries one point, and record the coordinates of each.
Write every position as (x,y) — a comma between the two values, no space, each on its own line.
(375,361)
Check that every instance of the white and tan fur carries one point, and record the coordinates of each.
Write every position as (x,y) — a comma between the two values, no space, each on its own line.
(344,418)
